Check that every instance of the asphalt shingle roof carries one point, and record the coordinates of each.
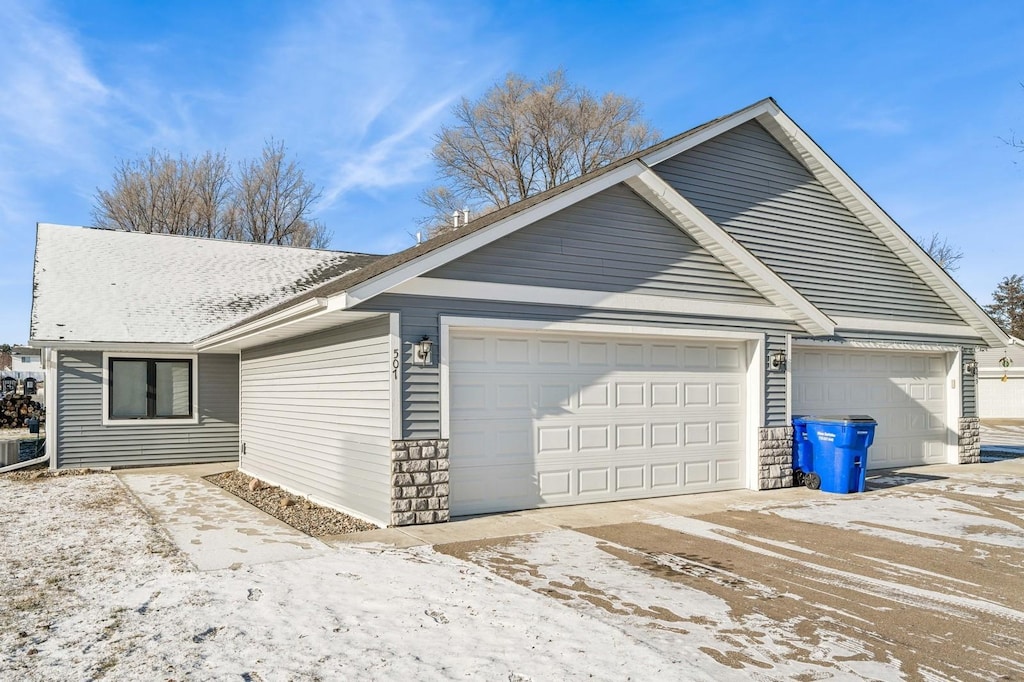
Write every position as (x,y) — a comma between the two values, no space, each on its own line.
(129,287)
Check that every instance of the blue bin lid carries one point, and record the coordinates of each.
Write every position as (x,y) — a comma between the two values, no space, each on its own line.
(841,419)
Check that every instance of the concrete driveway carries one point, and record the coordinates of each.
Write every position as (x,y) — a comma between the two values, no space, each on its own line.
(921,577)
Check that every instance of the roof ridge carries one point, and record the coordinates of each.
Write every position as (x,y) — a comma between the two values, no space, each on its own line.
(218,240)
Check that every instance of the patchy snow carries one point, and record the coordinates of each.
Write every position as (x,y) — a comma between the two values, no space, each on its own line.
(923,520)
(693,627)
(90,587)
(889,590)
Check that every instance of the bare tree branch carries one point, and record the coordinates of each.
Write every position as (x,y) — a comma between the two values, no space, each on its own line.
(265,200)
(947,255)
(523,137)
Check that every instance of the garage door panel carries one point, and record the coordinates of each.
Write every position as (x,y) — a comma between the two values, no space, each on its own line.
(904,392)
(594,419)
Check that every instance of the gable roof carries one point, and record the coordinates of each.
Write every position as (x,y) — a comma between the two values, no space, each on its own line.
(93,285)
(392,270)
(339,288)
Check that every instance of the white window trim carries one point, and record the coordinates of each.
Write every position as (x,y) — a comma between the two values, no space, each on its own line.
(107,421)
(754,346)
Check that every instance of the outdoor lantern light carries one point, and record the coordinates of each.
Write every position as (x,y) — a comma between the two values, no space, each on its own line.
(421,352)
(971,367)
(777,361)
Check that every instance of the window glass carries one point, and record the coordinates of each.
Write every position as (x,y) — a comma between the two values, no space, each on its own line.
(149,389)
(172,389)
(128,389)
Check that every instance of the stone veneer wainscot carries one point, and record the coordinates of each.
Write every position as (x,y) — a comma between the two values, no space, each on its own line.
(775,457)
(419,482)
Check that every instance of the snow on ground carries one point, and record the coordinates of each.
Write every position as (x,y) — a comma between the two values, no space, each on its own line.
(917,519)
(90,588)
(596,577)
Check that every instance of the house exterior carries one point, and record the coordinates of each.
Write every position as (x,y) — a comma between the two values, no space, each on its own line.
(647,329)
(1001,382)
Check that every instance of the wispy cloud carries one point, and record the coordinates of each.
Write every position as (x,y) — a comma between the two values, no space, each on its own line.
(876,120)
(385,76)
(50,93)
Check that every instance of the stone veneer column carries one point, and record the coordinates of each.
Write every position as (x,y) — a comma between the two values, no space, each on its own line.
(970,440)
(419,482)
(775,457)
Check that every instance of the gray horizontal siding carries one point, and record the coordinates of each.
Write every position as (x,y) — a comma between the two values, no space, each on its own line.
(316,416)
(83,440)
(747,183)
(774,384)
(614,242)
(421,396)
(969,394)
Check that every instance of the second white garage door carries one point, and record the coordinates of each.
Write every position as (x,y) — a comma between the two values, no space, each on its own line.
(905,392)
(540,419)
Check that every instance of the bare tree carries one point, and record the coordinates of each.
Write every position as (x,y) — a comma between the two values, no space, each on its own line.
(6,359)
(273,199)
(1007,308)
(947,255)
(523,137)
(267,200)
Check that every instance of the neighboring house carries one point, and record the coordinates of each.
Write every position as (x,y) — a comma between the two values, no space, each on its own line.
(26,362)
(1001,382)
(648,329)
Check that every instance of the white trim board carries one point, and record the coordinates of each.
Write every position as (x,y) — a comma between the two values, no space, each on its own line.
(866,324)
(878,345)
(585,298)
(396,363)
(857,201)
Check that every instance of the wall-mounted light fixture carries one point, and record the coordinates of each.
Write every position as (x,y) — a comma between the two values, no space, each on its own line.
(422,351)
(970,367)
(777,361)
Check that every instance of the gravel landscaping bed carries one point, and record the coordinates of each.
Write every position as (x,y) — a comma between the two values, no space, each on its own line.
(297,512)
(40,471)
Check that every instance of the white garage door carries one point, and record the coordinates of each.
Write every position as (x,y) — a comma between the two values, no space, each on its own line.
(998,399)
(904,392)
(544,419)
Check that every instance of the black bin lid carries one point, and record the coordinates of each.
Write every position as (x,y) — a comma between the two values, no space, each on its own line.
(842,419)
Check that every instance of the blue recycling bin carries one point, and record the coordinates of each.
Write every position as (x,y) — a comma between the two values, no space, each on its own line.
(838,451)
(803,452)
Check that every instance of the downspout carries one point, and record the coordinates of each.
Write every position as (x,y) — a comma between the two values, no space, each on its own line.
(26,463)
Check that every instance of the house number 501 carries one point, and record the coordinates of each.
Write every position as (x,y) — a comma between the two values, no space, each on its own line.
(396,362)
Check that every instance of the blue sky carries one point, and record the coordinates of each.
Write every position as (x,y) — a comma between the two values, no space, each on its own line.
(911,98)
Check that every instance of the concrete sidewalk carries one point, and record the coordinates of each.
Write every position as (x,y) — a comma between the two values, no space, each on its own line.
(213,527)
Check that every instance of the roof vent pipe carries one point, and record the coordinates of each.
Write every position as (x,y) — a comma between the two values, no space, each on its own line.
(456,216)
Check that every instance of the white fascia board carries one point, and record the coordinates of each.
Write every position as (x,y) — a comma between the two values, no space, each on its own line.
(114,346)
(857,201)
(712,131)
(449,322)
(854,344)
(687,217)
(585,298)
(279,319)
(875,324)
(449,252)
